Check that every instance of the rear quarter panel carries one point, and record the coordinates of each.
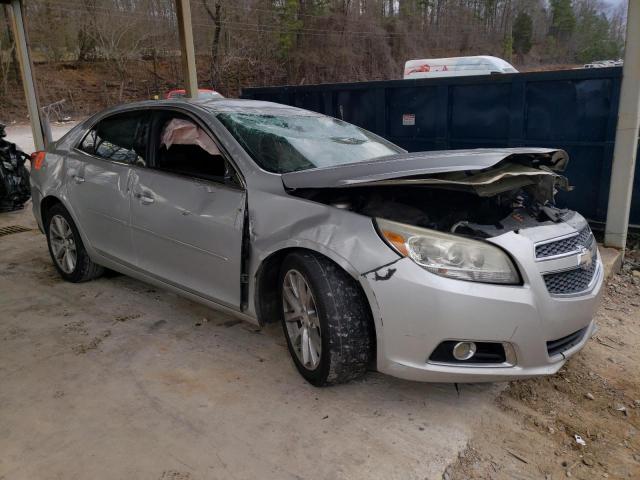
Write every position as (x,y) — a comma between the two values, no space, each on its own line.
(50,180)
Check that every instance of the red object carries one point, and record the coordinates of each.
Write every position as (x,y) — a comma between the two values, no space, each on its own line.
(421,68)
(182,93)
(37,158)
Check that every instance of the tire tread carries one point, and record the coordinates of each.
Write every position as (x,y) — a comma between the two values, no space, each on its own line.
(348,320)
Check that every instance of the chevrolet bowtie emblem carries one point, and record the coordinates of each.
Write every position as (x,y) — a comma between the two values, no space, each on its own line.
(585,258)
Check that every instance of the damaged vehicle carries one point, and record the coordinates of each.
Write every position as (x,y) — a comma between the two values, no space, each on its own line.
(451,266)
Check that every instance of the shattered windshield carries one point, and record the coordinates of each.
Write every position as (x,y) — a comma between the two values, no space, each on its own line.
(287,143)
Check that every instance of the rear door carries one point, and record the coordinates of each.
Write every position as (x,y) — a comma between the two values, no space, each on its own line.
(100,168)
(187,211)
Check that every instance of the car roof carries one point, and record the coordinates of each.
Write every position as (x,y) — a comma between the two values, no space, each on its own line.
(222,105)
(200,90)
(250,106)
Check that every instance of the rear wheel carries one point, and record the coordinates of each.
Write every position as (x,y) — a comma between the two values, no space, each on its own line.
(66,248)
(326,320)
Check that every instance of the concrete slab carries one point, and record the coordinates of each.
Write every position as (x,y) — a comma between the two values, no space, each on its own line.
(611,260)
(117,379)
(21,134)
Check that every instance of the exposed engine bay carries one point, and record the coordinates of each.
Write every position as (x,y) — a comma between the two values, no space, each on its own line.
(508,196)
(444,210)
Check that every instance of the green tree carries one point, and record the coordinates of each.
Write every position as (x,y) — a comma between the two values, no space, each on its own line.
(563,21)
(522,34)
(594,37)
(507,47)
(290,25)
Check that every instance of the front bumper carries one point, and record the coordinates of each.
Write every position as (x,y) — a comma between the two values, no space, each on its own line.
(416,310)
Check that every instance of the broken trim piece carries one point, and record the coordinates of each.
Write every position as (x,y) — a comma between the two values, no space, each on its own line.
(509,176)
(245,256)
(422,164)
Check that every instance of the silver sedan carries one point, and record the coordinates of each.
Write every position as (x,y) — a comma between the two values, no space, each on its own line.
(432,266)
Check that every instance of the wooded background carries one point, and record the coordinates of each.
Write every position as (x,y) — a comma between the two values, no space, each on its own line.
(93,53)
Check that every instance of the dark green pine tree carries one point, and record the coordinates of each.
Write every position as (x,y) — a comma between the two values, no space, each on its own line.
(563,19)
(522,34)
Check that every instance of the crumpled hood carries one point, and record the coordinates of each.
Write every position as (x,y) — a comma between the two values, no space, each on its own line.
(413,166)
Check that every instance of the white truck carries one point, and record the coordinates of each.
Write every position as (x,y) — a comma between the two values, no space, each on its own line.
(456,67)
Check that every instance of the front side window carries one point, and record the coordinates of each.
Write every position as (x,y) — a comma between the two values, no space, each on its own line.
(287,143)
(119,138)
(186,149)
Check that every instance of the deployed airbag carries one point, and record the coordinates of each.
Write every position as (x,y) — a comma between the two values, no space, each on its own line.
(184,132)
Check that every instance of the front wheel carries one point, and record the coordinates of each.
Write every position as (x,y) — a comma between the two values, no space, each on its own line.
(326,320)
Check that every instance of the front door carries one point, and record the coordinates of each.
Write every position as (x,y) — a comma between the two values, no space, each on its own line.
(100,168)
(187,212)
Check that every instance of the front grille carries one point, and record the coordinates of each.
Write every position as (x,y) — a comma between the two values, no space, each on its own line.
(566,245)
(570,281)
(563,344)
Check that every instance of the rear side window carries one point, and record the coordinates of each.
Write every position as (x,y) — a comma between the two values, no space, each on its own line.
(119,138)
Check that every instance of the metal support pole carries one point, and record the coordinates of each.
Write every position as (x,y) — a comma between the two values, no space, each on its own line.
(185,31)
(624,154)
(40,138)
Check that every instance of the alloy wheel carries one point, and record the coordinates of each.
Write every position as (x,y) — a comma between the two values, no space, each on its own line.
(63,244)
(301,319)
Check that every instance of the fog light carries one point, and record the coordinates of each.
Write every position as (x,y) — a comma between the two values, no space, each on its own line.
(464,350)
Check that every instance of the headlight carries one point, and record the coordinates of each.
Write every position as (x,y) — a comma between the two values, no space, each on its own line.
(449,255)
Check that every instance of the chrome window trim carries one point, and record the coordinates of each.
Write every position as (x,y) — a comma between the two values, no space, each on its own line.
(192,116)
(107,160)
(208,131)
(197,180)
(99,119)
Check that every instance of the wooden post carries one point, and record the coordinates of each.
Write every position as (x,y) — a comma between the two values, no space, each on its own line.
(40,132)
(185,31)
(624,154)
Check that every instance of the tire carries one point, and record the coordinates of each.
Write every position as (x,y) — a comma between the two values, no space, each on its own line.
(83,268)
(342,318)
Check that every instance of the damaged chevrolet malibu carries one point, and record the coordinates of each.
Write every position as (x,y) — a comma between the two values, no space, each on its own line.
(449,266)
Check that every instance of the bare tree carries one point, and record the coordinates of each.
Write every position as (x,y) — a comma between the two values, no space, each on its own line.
(215,14)
(132,45)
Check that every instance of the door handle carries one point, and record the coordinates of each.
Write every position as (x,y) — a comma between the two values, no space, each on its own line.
(78,179)
(145,199)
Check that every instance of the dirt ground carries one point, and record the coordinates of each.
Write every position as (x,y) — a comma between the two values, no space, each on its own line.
(116,379)
(531,432)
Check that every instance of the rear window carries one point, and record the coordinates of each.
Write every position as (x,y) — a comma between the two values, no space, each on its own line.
(287,143)
(120,138)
